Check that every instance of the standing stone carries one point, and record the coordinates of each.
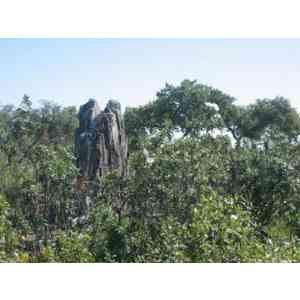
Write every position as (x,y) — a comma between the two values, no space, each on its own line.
(100,140)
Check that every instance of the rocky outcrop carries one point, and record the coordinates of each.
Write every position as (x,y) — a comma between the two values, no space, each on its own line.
(100,140)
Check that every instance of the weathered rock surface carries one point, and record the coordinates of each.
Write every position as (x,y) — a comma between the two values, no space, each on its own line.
(100,140)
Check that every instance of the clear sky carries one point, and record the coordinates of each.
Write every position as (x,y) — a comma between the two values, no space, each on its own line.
(70,71)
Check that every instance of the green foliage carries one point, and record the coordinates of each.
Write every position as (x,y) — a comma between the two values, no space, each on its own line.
(72,247)
(109,235)
(10,239)
(186,108)
(221,231)
(220,184)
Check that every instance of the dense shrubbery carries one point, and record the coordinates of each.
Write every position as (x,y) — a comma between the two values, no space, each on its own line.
(222,184)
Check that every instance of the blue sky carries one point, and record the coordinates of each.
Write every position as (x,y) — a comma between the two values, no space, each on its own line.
(69,71)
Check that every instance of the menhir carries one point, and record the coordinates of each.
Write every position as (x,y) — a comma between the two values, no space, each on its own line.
(101,142)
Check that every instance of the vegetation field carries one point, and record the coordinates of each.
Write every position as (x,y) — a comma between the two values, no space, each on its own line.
(208,181)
